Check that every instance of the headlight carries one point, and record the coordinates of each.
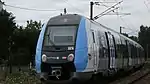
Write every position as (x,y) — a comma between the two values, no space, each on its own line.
(70,57)
(44,58)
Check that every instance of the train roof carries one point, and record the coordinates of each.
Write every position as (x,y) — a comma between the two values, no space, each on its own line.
(65,19)
(131,41)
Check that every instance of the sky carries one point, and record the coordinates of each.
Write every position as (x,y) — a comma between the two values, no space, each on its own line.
(139,9)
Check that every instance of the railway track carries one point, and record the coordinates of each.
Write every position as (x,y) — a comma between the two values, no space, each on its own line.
(127,78)
(135,77)
(139,79)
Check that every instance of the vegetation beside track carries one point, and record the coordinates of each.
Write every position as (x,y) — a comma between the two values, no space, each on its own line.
(20,78)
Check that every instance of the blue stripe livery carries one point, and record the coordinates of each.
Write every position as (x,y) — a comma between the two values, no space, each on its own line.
(39,49)
(81,55)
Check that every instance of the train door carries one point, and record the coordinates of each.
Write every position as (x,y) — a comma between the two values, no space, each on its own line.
(94,50)
(103,52)
(91,54)
(111,46)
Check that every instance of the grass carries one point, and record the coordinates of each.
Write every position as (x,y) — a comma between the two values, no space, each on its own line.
(20,78)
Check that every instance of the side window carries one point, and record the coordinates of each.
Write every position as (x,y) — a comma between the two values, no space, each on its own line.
(105,46)
(118,48)
(115,50)
(132,51)
(129,48)
(137,52)
(126,49)
(135,48)
(93,37)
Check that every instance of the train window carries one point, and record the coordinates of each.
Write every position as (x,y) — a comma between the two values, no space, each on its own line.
(139,52)
(132,51)
(117,50)
(93,37)
(58,39)
(118,47)
(135,51)
(101,53)
(129,49)
(123,48)
(60,35)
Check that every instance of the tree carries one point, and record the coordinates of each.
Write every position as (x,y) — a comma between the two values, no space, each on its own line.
(125,34)
(144,36)
(134,38)
(131,37)
(7,26)
(32,29)
(25,42)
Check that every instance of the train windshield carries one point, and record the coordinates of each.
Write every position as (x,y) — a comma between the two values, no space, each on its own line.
(60,35)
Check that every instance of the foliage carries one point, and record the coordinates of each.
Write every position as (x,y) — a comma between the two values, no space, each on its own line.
(134,38)
(125,34)
(144,38)
(131,37)
(21,78)
(25,39)
(17,41)
(7,26)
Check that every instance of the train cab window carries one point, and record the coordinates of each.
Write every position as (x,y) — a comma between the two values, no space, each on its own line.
(93,37)
(60,35)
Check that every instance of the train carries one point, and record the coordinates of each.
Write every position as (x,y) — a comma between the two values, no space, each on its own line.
(72,46)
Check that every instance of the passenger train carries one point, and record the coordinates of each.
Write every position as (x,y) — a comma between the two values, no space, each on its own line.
(72,46)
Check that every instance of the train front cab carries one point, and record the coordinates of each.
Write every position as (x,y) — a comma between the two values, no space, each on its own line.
(55,59)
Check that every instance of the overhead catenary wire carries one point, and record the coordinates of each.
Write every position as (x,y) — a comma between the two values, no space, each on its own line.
(32,9)
(106,2)
(102,14)
(129,28)
(121,17)
(114,13)
(96,17)
(147,7)
(132,32)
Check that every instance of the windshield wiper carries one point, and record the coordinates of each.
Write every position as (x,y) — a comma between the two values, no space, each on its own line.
(53,44)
